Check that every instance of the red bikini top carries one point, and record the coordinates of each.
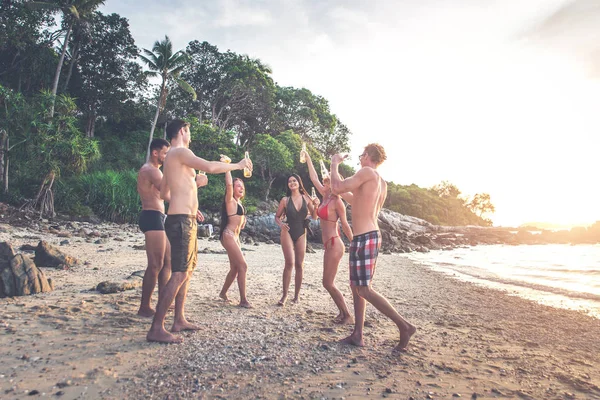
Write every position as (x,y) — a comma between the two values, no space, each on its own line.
(323,211)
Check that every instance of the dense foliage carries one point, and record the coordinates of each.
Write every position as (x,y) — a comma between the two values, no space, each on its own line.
(440,205)
(77,112)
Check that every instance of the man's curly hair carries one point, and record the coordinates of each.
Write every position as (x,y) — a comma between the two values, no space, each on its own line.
(376,152)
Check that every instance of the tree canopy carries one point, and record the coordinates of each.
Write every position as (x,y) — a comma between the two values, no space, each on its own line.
(86,137)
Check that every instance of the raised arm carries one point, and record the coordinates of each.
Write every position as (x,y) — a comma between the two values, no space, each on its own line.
(228,187)
(340,208)
(212,167)
(351,184)
(312,173)
(348,196)
(228,183)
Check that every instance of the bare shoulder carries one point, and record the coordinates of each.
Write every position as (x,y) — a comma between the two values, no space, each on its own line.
(146,170)
(368,172)
(178,152)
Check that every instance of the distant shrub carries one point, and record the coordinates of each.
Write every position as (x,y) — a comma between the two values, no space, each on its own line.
(111,195)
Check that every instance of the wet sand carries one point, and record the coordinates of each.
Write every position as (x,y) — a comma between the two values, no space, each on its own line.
(472,342)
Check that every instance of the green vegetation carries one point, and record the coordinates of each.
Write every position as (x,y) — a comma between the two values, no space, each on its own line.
(440,205)
(111,195)
(77,112)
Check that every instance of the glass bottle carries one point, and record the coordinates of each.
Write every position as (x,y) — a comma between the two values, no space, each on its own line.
(324,171)
(247,172)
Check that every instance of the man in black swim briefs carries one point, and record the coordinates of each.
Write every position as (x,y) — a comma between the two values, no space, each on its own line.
(152,224)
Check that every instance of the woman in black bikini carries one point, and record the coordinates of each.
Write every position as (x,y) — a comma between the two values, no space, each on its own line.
(330,211)
(295,207)
(233,220)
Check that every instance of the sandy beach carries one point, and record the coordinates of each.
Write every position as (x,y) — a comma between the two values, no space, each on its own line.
(472,342)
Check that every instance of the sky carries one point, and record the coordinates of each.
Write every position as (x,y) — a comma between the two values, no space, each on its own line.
(494,96)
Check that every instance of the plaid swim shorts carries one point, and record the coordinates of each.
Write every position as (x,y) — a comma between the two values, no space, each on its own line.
(363,253)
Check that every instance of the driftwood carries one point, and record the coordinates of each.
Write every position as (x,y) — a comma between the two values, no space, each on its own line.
(44,201)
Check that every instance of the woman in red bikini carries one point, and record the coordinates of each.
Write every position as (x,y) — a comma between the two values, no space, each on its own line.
(330,211)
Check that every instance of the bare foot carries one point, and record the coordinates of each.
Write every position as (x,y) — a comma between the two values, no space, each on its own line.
(245,304)
(282,301)
(351,340)
(162,336)
(146,312)
(344,320)
(296,300)
(224,297)
(405,336)
(184,326)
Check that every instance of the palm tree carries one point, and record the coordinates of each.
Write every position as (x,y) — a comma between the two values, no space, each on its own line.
(168,65)
(73,11)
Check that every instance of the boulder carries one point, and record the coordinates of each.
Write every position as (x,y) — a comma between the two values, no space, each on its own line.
(47,255)
(19,275)
(6,251)
(205,230)
(107,287)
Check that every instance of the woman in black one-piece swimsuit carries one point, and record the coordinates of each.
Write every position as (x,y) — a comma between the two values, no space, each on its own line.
(295,207)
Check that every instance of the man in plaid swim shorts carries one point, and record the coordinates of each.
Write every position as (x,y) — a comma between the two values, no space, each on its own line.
(363,252)
(366,191)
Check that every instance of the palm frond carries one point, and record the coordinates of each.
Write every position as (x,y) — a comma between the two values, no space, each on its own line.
(168,45)
(151,64)
(179,59)
(176,71)
(159,47)
(90,5)
(41,5)
(186,87)
(74,12)
(149,53)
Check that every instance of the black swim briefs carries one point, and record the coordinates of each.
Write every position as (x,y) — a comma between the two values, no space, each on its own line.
(152,220)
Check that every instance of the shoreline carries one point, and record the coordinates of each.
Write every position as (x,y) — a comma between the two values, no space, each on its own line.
(470,339)
(468,269)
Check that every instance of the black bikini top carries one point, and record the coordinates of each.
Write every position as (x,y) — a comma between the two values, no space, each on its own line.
(240,211)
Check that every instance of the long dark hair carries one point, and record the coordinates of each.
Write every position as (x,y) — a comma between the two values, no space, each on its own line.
(300,184)
(224,216)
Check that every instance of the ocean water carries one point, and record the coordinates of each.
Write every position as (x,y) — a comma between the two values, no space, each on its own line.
(562,276)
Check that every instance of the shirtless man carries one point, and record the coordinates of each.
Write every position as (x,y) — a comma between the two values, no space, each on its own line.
(368,193)
(178,187)
(152,223)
